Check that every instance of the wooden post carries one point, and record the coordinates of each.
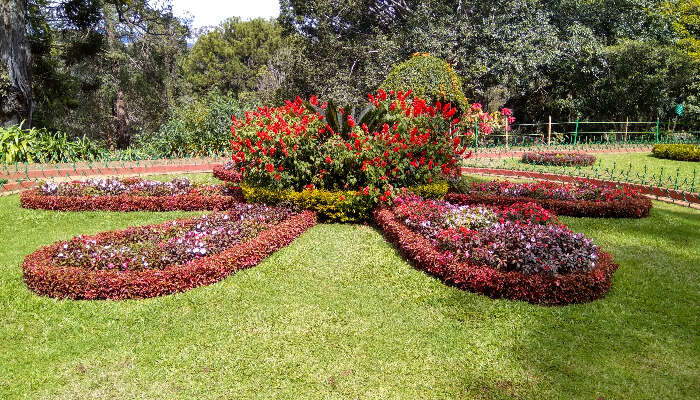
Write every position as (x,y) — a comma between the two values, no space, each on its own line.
(626,126)
(507,129)
(549,131)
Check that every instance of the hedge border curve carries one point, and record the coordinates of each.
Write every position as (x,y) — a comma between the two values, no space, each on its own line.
(42,277)
(34,199)
(536,289)
(635,207)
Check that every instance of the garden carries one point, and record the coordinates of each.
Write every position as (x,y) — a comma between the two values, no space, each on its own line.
(341,252)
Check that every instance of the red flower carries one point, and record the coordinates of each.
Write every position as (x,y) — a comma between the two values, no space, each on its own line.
(313,100)
(270,168)
(329,159)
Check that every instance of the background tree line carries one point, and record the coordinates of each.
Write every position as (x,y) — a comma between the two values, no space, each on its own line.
(122,73)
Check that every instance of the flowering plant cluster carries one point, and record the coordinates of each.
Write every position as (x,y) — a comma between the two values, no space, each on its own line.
(162,259)
(520,253)
(523,237)
(130,186)
(580,200)
(569,159)
(129,194)
(174,244)
(293,147)
(228,172)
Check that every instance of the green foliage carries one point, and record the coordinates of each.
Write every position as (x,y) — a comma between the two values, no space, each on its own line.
(331,206)
(428,77)
(229,58)
(40,145)
(197,127)
(435,190)
(681,152)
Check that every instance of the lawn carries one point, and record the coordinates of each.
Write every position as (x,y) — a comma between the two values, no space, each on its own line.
(339,314)
(626,167)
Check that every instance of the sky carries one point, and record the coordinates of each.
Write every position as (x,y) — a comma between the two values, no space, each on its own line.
(212,12)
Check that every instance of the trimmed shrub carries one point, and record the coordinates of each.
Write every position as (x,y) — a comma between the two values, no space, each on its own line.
(45,277)
(569,159)
(427,77)
(680,152)
(332,206)
(433,79)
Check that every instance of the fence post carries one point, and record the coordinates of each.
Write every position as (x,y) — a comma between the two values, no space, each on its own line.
(657,130)
(507,129)
(627,122)
(576,133)
(549,131)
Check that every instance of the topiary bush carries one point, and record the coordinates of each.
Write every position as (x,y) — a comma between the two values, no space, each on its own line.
(675,151)
(428,77)
(433,79)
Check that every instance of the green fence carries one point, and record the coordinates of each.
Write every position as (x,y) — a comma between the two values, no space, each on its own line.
(582,133)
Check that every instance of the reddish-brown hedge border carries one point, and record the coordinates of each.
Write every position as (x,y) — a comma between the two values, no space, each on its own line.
(558,158)
(34,199)
(537,289)
(45,279)
(227,175)
(635,207)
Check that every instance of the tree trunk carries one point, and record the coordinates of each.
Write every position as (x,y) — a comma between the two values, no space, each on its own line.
(15,77)
(119,130)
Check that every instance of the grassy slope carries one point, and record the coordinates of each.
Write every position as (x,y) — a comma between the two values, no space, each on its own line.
(622,166)
(339,314)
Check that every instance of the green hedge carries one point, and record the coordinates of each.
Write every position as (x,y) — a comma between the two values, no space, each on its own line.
(681,152)
(332,206)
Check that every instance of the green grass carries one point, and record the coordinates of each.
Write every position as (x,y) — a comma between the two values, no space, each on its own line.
(626,167)
(338,314)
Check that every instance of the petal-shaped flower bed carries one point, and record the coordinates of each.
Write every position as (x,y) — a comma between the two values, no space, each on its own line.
(228,172)
(130,194)
(518,252)
(582,200)
(569,159)
(157,260)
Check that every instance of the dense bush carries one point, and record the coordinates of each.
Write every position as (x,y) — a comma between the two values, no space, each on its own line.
(198,127)
(581,200)
(568,159)
(216,250)
(538,288)
(130,194)
(40,145)
(293,148)
(681,152)
(428,77)
(433,79)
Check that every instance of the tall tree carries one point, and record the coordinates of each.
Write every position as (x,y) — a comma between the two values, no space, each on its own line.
(15,78)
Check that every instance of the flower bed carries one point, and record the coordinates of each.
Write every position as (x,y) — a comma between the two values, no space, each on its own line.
(518,252)
(569,159)
(582,200)
(677,151)
(228,172)
(129,194)
(162,259)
